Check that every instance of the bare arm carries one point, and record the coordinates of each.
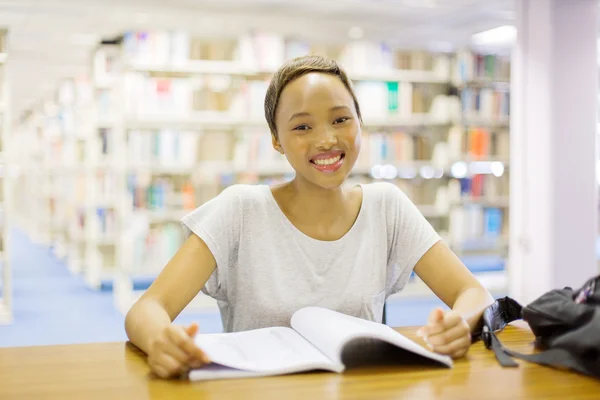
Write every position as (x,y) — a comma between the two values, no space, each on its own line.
(177,285)
(444,273)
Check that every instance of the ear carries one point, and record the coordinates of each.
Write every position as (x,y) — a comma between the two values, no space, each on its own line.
(276,144)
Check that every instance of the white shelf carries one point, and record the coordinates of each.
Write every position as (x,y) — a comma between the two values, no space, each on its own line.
(191,122)
(266,170)
(488,201)
(502,122)
(162,169)
(193,67)
(225,121)
(485,82)
(98,240)
(398,75)
(161,215)
(413,120)
(6,316)
(106,123)
(94,277)
(104,84)
(104,240)
(431,211)
(234,68)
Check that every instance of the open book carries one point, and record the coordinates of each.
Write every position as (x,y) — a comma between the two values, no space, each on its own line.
(317,340)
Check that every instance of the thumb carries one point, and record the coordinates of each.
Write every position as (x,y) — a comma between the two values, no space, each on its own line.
(436,316)
(192,329)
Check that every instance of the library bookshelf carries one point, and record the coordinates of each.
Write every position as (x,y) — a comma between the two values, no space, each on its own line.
(165,121)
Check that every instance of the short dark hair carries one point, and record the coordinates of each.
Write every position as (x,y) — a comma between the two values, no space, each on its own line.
(295,68)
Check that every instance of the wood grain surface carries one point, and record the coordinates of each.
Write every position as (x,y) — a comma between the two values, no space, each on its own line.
(119,371)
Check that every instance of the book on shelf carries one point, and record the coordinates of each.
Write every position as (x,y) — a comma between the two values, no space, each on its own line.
(219,96)
(253,149)
(165,148)
(101,225)
(266,51)
(99,186)
(106,65)
(470,67)
(3,40)
(153,245)
(485,104)
(160,94)
(474,222)
(317,339)
(153,192)
(104,105)
(105,221)
(477,143)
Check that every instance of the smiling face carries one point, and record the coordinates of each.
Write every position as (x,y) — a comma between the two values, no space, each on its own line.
(318,129)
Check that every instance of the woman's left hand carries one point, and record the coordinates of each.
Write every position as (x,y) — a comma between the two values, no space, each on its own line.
(447,333)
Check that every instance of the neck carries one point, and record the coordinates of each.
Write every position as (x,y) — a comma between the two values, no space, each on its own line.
(314,202)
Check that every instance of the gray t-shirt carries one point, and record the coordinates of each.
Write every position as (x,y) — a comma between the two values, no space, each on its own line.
(267,268)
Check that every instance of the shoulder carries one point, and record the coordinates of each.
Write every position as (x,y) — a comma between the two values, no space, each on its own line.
(384,192)
(242,191)
(244,195)
(230,204)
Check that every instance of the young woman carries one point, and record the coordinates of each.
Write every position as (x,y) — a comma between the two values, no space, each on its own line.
(264,252)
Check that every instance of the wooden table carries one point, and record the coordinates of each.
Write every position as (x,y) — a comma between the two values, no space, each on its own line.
(118,371)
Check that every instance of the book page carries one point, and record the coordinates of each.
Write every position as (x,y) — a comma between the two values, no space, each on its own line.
(267,350)
(330,331)
(217,371)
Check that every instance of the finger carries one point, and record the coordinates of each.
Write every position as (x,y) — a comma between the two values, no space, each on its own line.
(449,335)
(196,352)
(459,354)
(160,371)
(435,317)
(448,321)
(452,318)
(192,330)
(163,365)
(184,342)
(457,345)
(196,363)
(430,330)
(170,364)
(177,353)
(435,323)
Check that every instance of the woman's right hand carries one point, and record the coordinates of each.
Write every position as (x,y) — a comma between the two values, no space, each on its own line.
(174,352)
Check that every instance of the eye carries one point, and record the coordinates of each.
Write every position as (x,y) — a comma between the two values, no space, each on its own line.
(341,120)
(302,127)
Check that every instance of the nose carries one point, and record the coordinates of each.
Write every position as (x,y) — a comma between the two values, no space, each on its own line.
(327,139)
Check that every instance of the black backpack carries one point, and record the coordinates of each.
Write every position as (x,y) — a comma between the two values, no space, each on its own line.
(566,324)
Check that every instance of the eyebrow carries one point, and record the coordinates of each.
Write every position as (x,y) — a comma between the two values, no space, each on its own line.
(300,114)
(306,114)
(336,108)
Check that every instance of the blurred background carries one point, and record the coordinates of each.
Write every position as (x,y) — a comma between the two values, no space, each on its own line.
(119,117)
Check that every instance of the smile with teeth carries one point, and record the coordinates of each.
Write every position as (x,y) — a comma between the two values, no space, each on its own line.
(328,161)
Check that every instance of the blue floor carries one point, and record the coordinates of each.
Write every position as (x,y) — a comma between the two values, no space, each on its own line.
(51,306)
